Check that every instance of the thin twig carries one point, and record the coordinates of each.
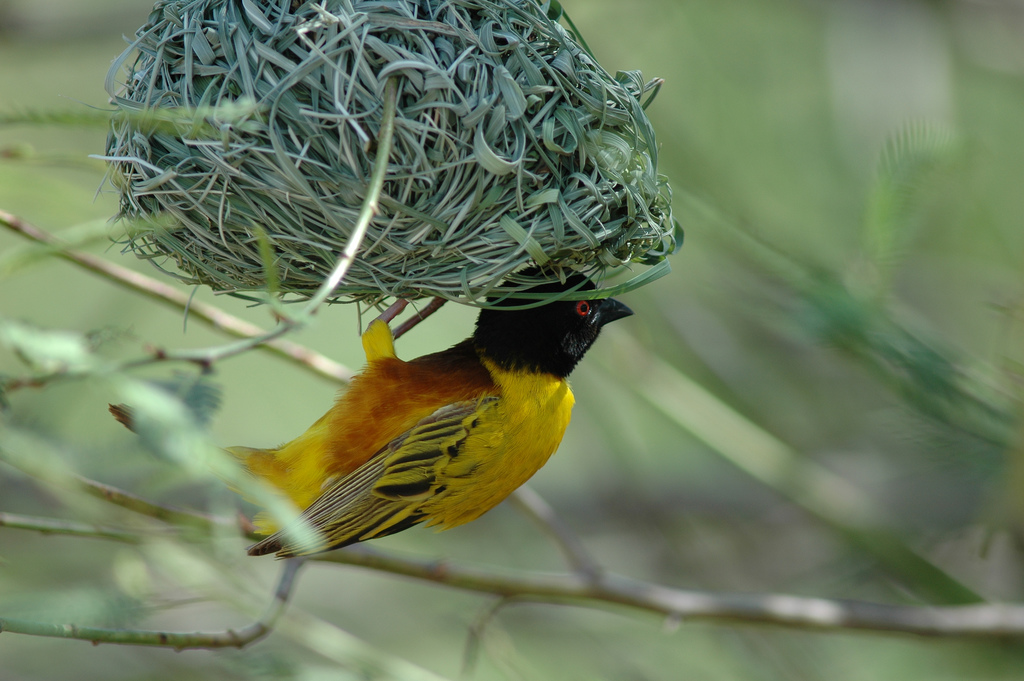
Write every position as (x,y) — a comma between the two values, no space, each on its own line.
(397,307)
(178,517)
(169,295)
(230,638)
(475,635)
(251,335)
(429,309)
(283,590)
(174,516)
(534,506)
(68,527)
(393,310)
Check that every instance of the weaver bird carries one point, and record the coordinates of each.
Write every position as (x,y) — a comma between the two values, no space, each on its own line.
(441,439)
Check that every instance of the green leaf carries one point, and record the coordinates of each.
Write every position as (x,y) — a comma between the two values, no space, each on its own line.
(200,394)
(907,165)
(163,423)
(46,351)
(511,94)
(516,231)
(268,259)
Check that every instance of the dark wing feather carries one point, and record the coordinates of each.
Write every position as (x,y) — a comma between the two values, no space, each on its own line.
(383,495)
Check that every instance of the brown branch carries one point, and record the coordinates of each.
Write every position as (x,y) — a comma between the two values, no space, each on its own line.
(173,516)
(230,638)
(396,308)
(393,310)
(990,620)
(429,309)
(174,297)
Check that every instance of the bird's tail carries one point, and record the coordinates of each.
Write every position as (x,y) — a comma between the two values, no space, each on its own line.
(258,462)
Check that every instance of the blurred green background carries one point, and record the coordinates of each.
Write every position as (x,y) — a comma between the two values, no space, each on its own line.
(848,175)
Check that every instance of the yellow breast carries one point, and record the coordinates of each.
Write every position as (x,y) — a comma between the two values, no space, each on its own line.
(514,437)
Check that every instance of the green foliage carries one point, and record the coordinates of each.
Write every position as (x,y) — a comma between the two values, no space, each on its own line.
(47,352)
(904,181)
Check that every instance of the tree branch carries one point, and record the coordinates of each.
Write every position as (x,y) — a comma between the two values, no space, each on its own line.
(393,310)
(229,638)
(68,527)
(475,635)
(173,516)
(178,299)
(251,335)
(990,620)
(429,309)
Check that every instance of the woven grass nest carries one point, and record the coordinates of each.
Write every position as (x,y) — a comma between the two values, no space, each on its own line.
(511,146)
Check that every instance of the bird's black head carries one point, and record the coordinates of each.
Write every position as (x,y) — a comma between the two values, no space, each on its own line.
(550,338)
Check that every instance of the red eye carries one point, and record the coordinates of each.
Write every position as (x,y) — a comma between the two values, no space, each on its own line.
(583,308)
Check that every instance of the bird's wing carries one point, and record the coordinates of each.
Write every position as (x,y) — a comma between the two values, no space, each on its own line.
(384,495)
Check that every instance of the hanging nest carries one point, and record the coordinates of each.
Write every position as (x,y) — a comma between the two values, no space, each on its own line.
(246,132)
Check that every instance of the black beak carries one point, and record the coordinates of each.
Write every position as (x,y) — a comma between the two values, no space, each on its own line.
(609,310)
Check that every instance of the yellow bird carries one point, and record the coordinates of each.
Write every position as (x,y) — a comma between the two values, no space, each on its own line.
(440,439)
